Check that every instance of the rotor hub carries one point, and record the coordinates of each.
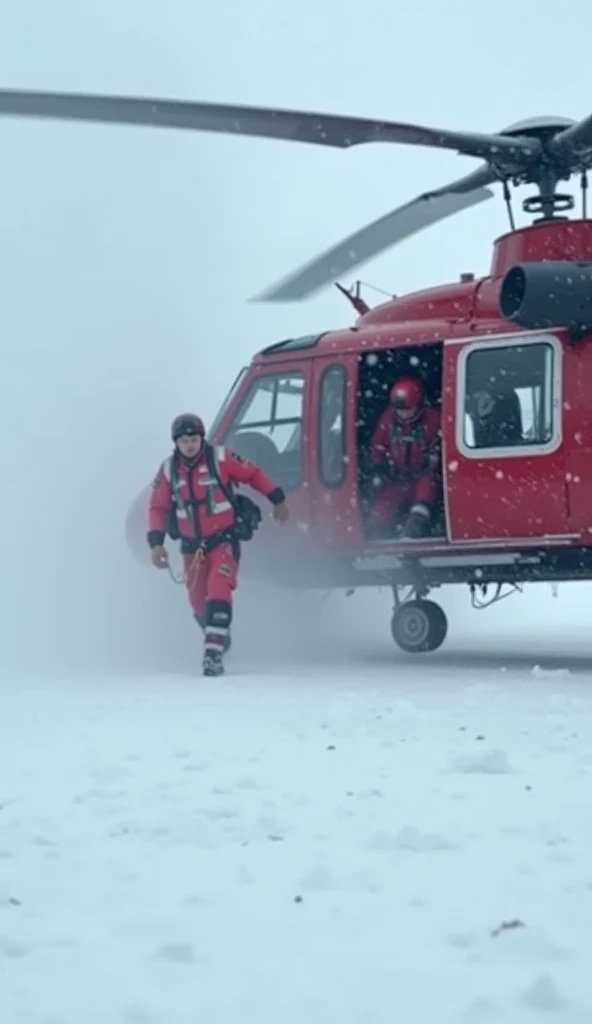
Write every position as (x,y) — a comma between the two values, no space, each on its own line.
(548,167)
(542,128)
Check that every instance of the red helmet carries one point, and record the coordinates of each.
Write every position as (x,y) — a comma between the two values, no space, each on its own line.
(185,424)
(407,393)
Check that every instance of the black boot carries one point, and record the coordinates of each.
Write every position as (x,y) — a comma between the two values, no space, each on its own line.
(216,639)
(417,525)
(212,664)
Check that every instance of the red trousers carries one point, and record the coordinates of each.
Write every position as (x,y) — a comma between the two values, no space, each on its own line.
(394,495)
(210,587)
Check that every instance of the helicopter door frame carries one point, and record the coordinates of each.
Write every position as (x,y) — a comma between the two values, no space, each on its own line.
(335,513)
(292,542)
(497,493)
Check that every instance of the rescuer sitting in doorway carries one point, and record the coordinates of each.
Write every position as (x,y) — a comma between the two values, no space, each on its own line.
(405,462)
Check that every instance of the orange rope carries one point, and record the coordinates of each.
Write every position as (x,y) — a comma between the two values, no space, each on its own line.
(194,567)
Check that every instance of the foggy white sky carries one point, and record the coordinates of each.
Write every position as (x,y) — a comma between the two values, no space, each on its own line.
(128,255)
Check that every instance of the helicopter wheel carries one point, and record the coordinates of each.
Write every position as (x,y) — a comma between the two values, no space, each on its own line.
(419,626)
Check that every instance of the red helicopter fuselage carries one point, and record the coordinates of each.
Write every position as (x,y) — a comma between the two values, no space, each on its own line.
(514,509)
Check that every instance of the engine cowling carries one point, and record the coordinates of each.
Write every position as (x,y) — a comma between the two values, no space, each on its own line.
(554,294)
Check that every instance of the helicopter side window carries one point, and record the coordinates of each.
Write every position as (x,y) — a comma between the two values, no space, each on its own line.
(267,428)
(331,452)
(509,395)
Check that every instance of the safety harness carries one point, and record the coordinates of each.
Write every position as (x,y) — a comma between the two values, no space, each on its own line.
(417,435)
(247,513)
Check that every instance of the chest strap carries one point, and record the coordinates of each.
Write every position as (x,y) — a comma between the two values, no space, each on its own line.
(209,500)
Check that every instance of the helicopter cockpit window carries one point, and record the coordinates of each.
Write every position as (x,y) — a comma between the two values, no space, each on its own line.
(509,396)
(222,410)
(268,426)
(331,453)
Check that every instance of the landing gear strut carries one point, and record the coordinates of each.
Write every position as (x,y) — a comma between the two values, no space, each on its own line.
(417,625)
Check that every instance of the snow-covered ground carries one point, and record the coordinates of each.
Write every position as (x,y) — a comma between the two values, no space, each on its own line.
(321,844)
(333,834)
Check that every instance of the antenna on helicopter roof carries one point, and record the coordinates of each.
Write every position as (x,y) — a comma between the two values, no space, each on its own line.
(353,295)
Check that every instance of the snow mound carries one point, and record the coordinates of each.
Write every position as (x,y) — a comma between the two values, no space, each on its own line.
(493,762)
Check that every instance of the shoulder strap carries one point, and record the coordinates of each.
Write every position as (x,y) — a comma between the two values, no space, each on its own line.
(174,478)
(214,469)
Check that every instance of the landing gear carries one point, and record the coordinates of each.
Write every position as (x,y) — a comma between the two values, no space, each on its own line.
(418,625)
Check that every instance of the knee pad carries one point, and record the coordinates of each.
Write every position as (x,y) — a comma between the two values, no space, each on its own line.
(218,613)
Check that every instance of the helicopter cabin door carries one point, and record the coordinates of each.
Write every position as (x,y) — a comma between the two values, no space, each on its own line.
(503,464)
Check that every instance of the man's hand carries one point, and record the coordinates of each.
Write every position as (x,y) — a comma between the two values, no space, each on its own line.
(160,557)
(281,512)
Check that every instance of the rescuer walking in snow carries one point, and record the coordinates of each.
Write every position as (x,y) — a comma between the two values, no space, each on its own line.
(405,454)
(193,499)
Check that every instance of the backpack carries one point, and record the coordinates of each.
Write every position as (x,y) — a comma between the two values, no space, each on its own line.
(247,512)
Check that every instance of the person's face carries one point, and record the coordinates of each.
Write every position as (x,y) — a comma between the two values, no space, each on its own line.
(403,412)
(190,445)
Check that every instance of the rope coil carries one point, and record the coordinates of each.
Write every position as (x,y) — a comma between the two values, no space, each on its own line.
(181,578)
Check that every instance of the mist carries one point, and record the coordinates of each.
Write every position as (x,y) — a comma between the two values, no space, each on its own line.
(128,258)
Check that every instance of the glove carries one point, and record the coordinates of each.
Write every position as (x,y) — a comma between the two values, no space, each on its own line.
(281,512)
(160,557)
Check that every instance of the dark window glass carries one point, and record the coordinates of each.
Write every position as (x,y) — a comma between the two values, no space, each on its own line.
(332,399)
(509,396)
(268,426)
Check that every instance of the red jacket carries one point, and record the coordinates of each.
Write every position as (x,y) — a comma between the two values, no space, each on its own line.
(408,448)
(206,510)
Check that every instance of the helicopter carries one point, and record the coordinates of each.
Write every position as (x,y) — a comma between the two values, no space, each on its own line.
(506,358)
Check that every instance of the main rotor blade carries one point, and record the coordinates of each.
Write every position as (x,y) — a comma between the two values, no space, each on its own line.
(294,125)
(574,142)
(407,220)
(482,176)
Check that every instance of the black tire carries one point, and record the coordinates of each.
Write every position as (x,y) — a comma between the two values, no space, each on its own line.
(419,626)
